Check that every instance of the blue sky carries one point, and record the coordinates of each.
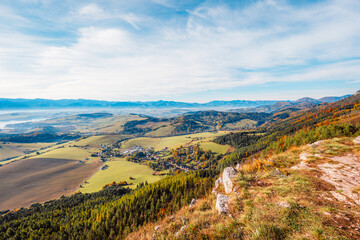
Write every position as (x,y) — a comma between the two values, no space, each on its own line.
(179,50)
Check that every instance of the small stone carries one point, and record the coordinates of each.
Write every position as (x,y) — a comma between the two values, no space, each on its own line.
(284,204)
(181,231)
(157,228)
(277,173)
(192,204)
(357,140)
(326,213)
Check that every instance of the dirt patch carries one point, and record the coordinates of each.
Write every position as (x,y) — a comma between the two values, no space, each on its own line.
(38,180)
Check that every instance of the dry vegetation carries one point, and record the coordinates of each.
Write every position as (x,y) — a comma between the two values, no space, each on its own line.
(273,198)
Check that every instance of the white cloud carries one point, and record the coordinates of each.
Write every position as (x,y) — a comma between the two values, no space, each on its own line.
(91,10)
(218,47)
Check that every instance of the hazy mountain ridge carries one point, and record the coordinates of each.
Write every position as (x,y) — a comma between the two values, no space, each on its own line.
(20,103)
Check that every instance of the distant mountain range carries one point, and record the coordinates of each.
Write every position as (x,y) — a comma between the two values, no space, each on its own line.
(19,103)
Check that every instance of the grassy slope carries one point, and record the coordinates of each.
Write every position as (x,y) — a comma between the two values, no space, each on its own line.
(67,152)
(217,148)
(101,139)
(160,132)
(170,142)
(245,123)
(120,170)
(255,213)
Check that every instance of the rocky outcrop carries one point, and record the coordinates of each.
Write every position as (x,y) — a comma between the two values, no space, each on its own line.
(357,140)
(343,172)
(222,203)
(228,174)
(222,200)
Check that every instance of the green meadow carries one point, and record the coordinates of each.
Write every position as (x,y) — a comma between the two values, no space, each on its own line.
(120,170)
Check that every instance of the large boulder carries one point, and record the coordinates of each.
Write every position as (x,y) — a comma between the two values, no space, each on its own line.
(222,203)
(228,174)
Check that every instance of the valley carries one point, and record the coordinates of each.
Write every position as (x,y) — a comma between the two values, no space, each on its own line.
(140,173)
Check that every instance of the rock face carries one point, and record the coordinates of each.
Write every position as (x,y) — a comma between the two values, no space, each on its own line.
(222,203)
(343,173)
(228,174)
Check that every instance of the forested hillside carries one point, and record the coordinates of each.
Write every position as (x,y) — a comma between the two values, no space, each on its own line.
(317,121)
(105,215)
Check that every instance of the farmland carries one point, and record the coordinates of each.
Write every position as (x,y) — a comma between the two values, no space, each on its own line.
(120,170)
(52,170)
(170,142)
(37,180)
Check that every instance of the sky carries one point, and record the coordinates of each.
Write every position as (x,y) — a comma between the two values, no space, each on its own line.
(193,51)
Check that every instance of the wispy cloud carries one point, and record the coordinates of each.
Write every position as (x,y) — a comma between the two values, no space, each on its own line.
(202,48)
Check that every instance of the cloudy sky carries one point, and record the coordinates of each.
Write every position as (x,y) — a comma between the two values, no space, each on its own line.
(188,50)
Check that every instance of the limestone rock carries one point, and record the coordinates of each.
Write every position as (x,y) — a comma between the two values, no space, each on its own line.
(302,165)
(192,202)
(304,156)
(222,203)
(317,143)
(218,182)
(284,204)
(181,231)
(357,140)
(228,174)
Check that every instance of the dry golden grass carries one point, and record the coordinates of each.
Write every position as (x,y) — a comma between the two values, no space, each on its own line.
(255,210)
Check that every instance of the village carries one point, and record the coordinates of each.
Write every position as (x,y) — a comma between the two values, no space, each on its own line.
(181,159)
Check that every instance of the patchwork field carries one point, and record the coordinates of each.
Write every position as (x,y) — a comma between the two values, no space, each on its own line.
(120,170)
(37,180)
(170,142)
(55,171)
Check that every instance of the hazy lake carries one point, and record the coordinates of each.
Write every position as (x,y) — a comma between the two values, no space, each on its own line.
(4,123)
